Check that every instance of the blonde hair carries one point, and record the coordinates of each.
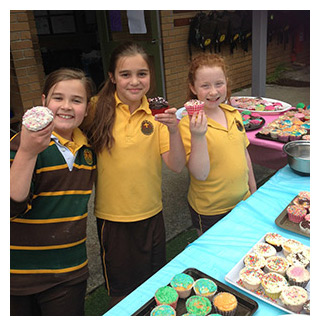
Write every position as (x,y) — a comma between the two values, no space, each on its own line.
(206,60)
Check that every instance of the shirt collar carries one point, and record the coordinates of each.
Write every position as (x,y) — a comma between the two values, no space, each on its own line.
(144,104)
(78,138)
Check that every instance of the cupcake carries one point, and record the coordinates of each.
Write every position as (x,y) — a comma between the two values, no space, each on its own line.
(225,304)
(254,260)
(157,105)
(193,106)
(264,250)
(273,284)
(306,307)
(276,264)
(291,245)
(182,283)
(296,213)
(298,259)
(205,288)
(251,277)
(303,202)
(163,310)
(198,306)
(305,226)
(167,295)
(294,297)
(283,136)
(298,275)
(275,240)
(37,118)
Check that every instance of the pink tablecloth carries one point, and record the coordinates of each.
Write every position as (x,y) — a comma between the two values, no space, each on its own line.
(267,153)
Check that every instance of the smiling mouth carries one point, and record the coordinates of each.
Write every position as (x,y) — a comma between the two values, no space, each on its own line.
(63,116)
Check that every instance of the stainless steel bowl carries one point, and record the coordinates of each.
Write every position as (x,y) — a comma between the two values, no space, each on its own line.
(298,153)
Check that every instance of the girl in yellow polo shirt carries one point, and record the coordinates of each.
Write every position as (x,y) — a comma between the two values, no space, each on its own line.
(130,144)
(215,141)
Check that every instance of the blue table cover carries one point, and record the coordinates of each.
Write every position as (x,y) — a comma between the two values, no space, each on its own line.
(218,250)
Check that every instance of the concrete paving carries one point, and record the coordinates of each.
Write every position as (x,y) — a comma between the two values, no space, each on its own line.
(175,186)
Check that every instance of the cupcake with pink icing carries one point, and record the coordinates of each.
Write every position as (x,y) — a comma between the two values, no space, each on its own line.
(296,213)
(298,275)
(193,106)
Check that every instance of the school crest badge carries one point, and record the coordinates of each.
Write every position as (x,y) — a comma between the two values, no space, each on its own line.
(147,127)
(87,153)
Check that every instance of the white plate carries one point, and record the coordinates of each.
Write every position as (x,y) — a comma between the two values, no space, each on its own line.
(179,113)
(233,277)
(285,106)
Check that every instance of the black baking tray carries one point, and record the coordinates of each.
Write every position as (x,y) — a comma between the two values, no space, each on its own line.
(283,222)
(246,306)
(251,127)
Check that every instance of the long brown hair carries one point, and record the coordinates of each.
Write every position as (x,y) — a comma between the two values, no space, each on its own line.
(206,60)
(68,74)
(100,132)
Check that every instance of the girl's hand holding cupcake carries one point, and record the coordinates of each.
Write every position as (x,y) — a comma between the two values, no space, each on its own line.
(198,124)
(169,119)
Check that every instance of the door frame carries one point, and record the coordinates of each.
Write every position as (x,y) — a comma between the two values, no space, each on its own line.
(154,47)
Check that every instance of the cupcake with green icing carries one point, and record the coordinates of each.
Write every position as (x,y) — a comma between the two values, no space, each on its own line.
(205,288)
(163,310)
(182,283)
(167,295)
(198,306)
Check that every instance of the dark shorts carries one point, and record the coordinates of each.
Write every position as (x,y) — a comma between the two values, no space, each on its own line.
(61,300)
(131,252)
(204,222)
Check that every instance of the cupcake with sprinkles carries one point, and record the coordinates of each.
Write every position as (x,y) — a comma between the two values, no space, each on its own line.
(163,310)
(254,260)
(251,278)
(294,297)
(296,213)
(264,249)
(275,240)
(182,283)
(291,245)
(167,295)
(193,106)
(205,288)
(276,264)
(273,284)
(198,306)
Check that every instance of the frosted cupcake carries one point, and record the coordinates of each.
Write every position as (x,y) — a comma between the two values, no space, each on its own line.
(225,304)
(182,283)
(254,260)
(298,259)
(276,264)
(291,245)
(264,250)
(294,297)
(273,284)
(193,106)
(251,277)
(205,288)
(37,118)
(198,306)
(163,310)
(275,240)
(167,295)
(296,213)
(158,105)
(298,275)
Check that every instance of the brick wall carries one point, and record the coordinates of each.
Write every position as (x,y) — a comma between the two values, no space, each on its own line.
(26,67)
(176,57)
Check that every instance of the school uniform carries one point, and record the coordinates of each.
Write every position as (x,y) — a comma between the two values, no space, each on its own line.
(128,203)
(48,229)
(227,182)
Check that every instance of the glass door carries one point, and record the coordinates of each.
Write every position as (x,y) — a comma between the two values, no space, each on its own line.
(116,26)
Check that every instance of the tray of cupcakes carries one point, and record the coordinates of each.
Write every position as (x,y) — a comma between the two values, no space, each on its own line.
(292,125)
(277,271)
(296,216)
(194,293)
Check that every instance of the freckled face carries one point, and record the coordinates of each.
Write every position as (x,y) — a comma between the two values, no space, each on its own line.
(210,86)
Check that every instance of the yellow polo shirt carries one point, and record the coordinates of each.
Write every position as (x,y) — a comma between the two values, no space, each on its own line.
(227,182)
(128,187)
